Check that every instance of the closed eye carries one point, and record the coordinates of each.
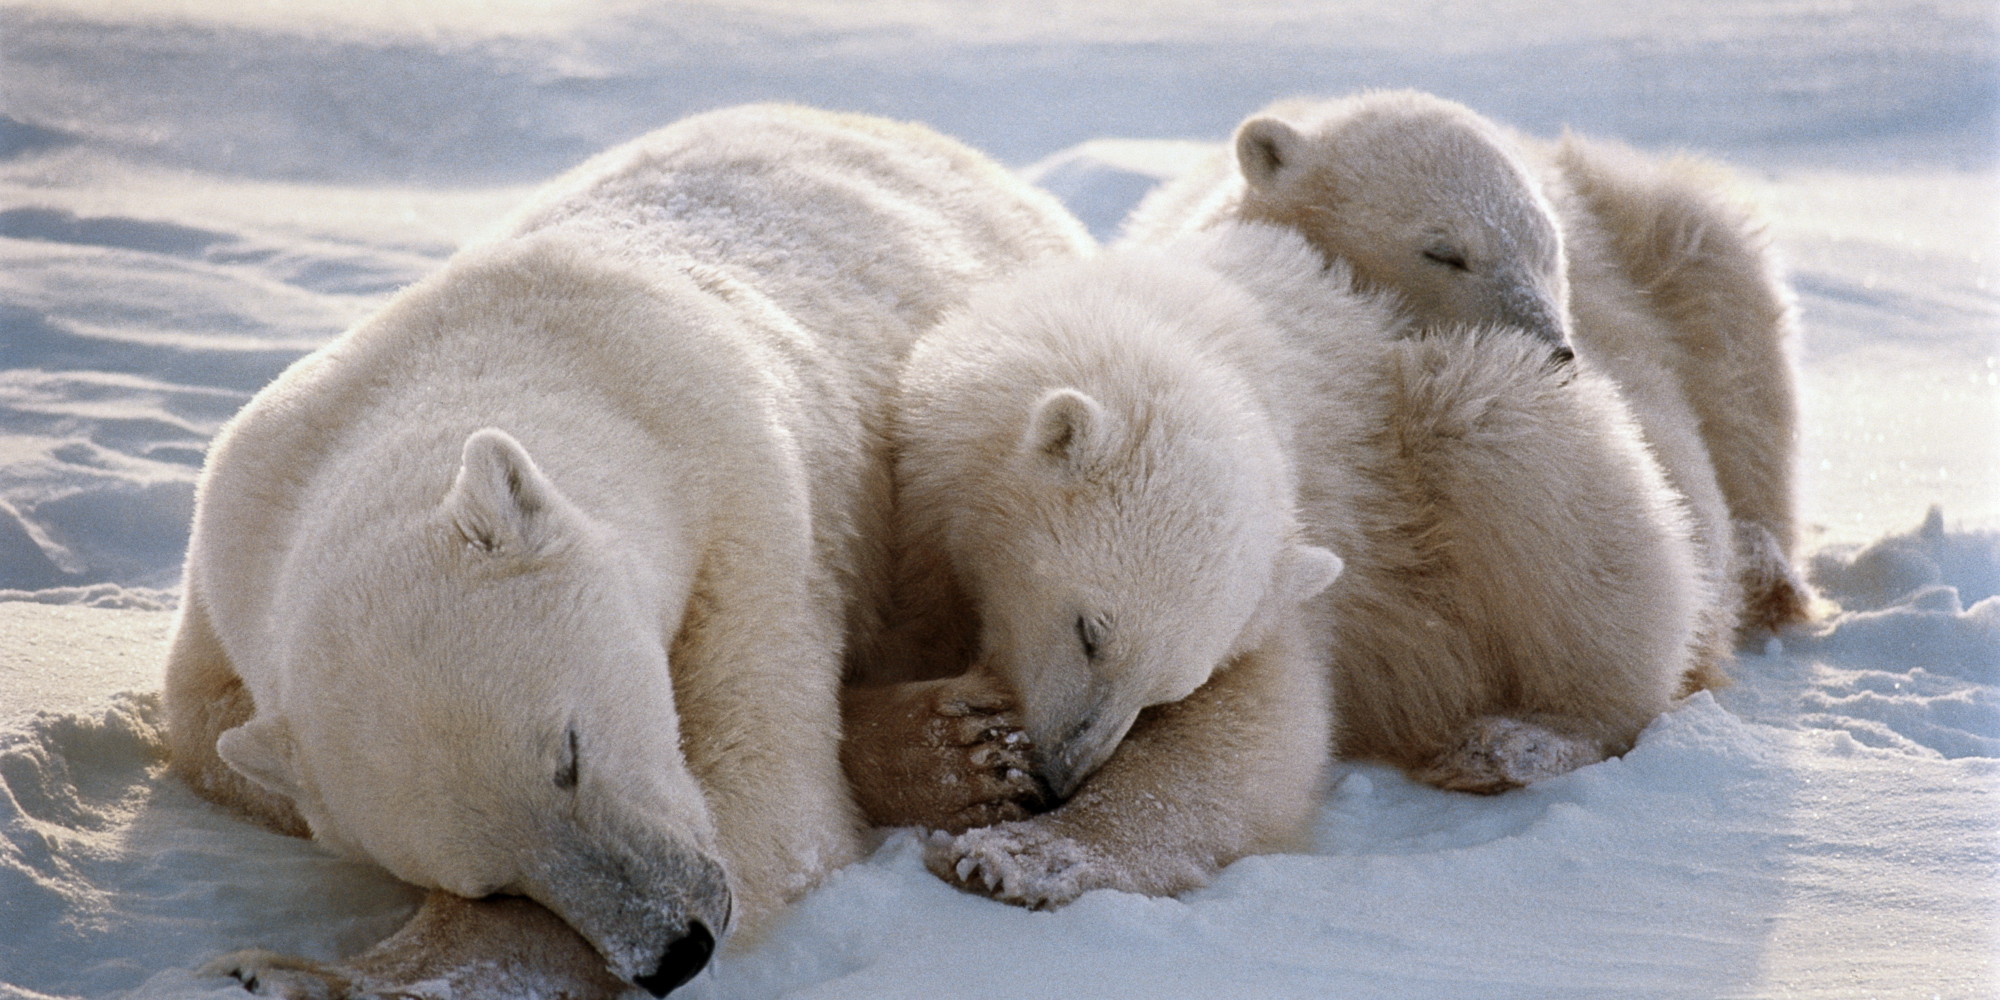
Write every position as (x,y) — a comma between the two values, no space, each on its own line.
(1090,633)
(1446,256)
(569,772)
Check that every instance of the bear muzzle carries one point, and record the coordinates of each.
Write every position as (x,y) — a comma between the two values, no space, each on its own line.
(1534,312)
(1065,760)
(655,916)
(683,958)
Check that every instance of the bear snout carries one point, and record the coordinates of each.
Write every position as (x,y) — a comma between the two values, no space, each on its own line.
(683,958)
(1067,759)
(652,906)
(1536,313)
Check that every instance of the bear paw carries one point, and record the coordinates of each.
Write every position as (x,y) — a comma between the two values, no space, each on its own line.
(1499,753)
(1023,863)
(982,754)
(268,974)
(499,948)
(949,755)
(1774,595)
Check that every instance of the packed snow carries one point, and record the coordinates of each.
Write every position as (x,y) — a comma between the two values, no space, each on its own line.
(193,194)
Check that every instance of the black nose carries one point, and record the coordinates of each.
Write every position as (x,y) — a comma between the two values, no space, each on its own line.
(680,961)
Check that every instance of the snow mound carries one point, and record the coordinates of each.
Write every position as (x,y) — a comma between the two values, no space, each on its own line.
(1905,664)
(114,877)
(1909,568)
(99,595)
(125,343)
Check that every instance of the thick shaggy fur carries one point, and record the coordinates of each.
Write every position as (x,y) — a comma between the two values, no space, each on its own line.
(1646,268)
(1519,591)
(540,581)
(1675,280)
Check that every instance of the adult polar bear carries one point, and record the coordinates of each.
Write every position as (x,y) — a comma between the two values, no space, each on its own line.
(1143,472)
(1647,267)
(538,582)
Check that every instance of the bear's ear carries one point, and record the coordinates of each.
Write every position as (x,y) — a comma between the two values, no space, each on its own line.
(1070,431)
(1305,570)
(501,503)
(1264,148)
(261,750)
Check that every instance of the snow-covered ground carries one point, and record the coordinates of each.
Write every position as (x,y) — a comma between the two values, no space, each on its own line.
(193,194)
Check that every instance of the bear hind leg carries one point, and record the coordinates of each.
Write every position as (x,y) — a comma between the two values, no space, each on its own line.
(204,699)
(1774,594)
(1496,753)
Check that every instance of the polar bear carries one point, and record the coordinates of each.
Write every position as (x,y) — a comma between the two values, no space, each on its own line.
(1417,195)
(1215,515)
(539,582)
(1646,269)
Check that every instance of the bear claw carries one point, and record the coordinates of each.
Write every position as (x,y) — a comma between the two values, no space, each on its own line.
(1016,862)
(947,755)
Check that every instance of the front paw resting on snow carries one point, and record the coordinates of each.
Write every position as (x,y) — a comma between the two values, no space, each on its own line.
(947,754)
(498,948)
(1024,863)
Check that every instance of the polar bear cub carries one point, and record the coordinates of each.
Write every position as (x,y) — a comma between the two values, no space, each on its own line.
(1204,498)
(538,582)
(1645,268)
(1416,195)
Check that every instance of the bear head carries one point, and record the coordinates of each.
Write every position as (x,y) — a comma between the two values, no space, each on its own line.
(478,699)
(1116,506)
(1420,197)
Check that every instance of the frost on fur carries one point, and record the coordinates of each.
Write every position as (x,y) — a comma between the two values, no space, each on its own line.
(1501,753)
(1019,863)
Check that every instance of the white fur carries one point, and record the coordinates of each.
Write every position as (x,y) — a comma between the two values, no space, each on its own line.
(1646,267)
(1416,195)
(1075,463)
(1678,297)
(614,481)
(1509,548)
